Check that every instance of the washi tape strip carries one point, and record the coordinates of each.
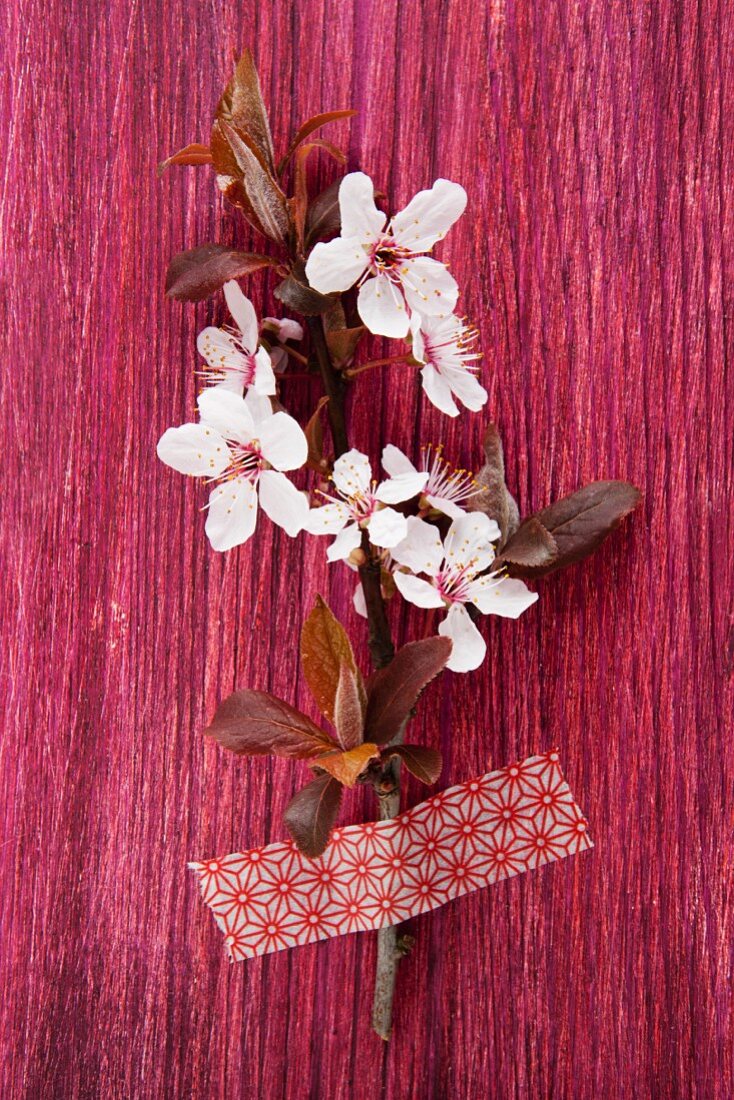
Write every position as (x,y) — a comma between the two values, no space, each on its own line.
(383,872)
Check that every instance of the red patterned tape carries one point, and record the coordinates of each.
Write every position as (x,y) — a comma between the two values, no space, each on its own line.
(383,872)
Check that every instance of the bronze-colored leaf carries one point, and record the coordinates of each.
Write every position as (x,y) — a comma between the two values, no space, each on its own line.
(531,547)
(255,723)
(309,127)
(310,816)
(229,176)
(393,691)
(265,196)
(424,763)
(348,766)
(295,293)
(299,202)
(199,272)
(325,647)
(342,343)
(493,497)
(315,438)
(190,154)
(349,708)
(242,106)
(578,524)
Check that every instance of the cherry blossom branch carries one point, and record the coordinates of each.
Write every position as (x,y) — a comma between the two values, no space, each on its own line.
(333,387)
(352,372)
(382,650)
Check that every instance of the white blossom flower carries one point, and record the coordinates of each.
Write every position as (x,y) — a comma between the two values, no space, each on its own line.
(394,274)
(444,345)
(444,488)
(361,504)
(244,446)
(453,569)
(284,329)
(234,360)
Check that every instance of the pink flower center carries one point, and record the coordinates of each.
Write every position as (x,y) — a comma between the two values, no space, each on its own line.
(247,461)
(453,583)
(236,361)
(386,256)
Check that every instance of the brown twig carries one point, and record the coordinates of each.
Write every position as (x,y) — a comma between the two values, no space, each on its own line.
(352,372)
(333,387)
(382,650)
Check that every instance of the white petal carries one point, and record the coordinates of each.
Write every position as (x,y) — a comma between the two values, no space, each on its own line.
(469,646)
(509,598)
(422,549)
(419,344)
(360,604)
(418,591)
(328,519)
(387,527)
(437,391)
(283,442)
(264,382)
(429,216)
(429,287)
(194,449)
(260,408)
(347,540)
(282,502)
(382,308)
(232,513)
(218,348)
(394,462)
(469,540)
(243,312)
(336,265)
(359,216)
(443,504)
(352,473)
(227,412)
(402,487)
(466,387)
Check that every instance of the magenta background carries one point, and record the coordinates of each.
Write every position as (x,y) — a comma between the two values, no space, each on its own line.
(595,142)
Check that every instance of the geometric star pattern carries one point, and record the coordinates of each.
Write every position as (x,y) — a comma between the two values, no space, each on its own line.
(462,839)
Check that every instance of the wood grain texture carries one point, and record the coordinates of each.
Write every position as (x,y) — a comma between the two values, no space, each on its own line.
(595,142)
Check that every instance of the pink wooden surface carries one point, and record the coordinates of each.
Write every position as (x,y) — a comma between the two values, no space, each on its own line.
(595,142)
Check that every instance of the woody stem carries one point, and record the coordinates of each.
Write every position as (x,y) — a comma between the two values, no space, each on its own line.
(382,650)
(352,372)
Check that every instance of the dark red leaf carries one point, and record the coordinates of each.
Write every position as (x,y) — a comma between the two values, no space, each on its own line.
(295,293)
(242,106)
(423,763)
(493,497)
(308,128)
(310,816)
(324,217)
(255,723)
(199,272)
(191,154)
(392,692)
(578,524)
(531,547)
